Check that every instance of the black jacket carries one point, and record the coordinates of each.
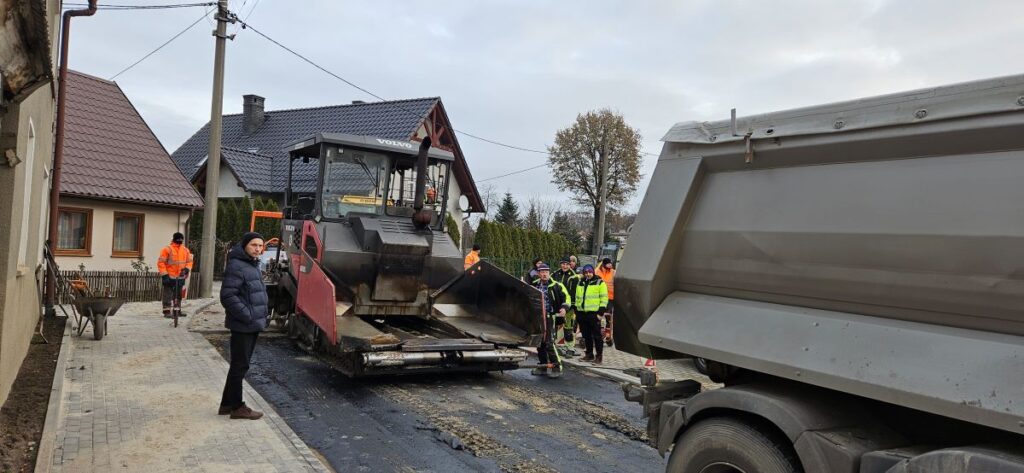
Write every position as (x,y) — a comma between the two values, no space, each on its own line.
(569,279)
(243,294)
(555,295)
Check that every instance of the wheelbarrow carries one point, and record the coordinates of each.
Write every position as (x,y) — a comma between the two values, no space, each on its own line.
(96,310)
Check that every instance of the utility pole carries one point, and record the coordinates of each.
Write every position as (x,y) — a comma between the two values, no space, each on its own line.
(602,209)
(206,256)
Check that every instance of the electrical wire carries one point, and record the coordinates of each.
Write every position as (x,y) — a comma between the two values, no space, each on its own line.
(176,36)
(110,6)
(246,25)
(513,173)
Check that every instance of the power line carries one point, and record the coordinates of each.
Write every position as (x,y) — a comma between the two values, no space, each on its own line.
(254,5)
(513,173)
(143,58)
(110,6)
(246,25)
(378,97)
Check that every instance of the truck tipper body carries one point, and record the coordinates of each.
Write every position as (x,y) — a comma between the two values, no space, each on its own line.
(853,272)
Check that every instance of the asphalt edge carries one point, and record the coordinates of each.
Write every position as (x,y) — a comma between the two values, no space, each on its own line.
(607,373)
(53,407)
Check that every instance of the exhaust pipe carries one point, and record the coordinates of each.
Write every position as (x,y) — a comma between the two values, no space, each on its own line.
(384,359)
(422,218)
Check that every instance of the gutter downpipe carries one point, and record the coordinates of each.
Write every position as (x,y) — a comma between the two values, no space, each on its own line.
(58,155)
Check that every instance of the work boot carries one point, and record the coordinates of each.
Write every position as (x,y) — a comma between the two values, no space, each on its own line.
(587,357)
(555,373)
(245,413)
(598,360)
(539,371)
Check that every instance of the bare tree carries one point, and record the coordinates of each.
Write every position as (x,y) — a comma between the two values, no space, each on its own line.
(546,210)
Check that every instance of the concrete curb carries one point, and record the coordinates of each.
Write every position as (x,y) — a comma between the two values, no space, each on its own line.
(201,305)
(53,408)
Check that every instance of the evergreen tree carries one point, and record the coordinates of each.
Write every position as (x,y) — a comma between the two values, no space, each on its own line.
(537,246)
(227,218)
(485,238)
(243,216)
(508,246)
(562,226)
(453,230)
(533,218)
(508,212)
(271,226)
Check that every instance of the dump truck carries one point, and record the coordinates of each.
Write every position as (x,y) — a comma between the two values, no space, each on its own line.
(371,280)
(853,273)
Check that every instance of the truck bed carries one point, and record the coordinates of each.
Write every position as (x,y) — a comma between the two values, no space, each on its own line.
(875,246)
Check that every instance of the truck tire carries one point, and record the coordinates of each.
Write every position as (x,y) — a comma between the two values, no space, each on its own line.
(701,364)
(730,445)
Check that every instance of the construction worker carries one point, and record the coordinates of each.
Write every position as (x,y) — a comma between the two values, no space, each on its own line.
(556,303)
(607,273)
(568,278)
(174,264)
(591,303)
(573,263)
(473,257)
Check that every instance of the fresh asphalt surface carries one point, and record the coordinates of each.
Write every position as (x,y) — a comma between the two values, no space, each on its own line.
(451,423)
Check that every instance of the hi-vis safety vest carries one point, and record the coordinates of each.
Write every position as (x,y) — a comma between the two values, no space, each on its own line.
(174,258)
(472,258)
(591,295)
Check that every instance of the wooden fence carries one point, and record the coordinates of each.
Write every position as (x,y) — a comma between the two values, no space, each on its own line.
(133,286)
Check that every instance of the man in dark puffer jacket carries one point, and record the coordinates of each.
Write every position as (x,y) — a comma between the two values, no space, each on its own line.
(244,297)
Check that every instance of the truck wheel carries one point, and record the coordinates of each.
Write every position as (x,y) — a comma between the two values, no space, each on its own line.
(701,364)
(728,445)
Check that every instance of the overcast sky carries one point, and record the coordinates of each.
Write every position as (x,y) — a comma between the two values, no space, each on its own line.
(516,71)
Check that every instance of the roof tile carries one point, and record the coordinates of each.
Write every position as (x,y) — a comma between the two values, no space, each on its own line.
(111,153)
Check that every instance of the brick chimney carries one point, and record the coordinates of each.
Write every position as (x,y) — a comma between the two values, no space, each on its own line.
(252,113)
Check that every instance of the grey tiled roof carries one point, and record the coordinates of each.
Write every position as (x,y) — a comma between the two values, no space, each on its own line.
(396,119)
(253,170)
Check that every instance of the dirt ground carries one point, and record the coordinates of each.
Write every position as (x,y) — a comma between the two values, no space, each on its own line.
(23,415)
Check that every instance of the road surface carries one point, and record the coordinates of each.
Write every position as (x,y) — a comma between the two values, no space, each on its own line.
(510,422)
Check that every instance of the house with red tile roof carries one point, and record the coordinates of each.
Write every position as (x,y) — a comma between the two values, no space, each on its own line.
(122,197)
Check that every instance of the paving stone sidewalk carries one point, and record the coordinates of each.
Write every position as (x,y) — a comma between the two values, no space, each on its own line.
(144,399)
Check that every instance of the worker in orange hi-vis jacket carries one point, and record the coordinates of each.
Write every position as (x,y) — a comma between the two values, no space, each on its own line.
(607,272)
(174,264)
(473,257)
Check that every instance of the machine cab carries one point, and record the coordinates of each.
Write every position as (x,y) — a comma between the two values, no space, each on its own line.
(366,176)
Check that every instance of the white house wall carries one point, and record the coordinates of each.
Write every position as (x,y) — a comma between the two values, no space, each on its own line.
(159,225)
(229,187)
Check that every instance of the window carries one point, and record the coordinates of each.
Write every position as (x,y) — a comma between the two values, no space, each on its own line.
(30,155)
(352,183)
(128,235)
(74,232)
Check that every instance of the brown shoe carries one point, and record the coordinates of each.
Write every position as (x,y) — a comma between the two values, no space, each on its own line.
(225,410)
(587,358)
(245,413)
(598,360)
